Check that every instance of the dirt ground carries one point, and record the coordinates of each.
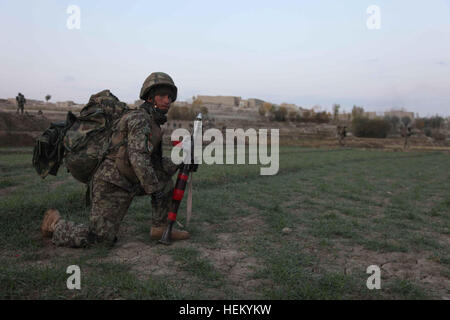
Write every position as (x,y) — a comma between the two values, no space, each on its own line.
(238,267)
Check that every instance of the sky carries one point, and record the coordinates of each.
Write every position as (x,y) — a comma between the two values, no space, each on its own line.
(304,52)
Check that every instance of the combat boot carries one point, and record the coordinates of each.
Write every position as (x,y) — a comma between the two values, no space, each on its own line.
(157,232)
(51,218)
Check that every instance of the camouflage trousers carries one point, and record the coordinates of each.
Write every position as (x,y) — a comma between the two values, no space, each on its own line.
(109,205)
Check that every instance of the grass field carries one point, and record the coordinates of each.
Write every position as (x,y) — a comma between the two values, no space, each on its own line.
(346,209)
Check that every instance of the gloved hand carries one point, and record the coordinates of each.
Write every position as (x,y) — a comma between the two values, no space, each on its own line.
(158,195)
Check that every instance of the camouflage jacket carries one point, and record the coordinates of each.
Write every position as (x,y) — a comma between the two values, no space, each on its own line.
(21,100)
(137,158)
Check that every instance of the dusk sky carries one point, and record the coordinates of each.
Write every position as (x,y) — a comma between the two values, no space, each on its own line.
(303,52)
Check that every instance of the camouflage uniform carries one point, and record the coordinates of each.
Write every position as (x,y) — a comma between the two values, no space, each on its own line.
(20,102)
(406,133)
(342,133)
(113,189)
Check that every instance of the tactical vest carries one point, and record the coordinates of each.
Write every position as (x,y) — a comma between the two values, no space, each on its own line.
(120,154)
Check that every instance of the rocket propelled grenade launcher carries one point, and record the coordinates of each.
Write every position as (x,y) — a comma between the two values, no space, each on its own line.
(183,176)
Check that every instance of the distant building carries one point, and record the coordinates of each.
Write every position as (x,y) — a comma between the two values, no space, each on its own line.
(220,100)
(180,104)
(243,104)
(255,103)
(370,115)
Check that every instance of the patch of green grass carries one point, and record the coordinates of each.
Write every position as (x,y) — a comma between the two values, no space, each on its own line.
(439,209)
(442,258)
(385,245)
(383,201)
(406,290)
(333,226)
(7,183)
(207,238)
(190,261)
(22,213)
(292,273)
(98,281)
(423,242)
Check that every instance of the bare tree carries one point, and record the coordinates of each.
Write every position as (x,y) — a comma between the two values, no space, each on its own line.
(406,121)
(336,108)
(357,112)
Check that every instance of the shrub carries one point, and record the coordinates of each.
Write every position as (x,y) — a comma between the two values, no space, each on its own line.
(293,116)
(370,128)
(436,122)
(357,112)
(322,117)
(438,136)
(394,121)
(419,123)
(280,114)
(433,122)
(306,117)
(268,107)
(197,102)
(200,109)
(262,110)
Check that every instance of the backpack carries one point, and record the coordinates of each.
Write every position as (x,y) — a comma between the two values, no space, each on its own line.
(49,150)
(82,141)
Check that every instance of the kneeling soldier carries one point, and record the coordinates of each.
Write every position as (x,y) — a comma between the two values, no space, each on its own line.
(135,167)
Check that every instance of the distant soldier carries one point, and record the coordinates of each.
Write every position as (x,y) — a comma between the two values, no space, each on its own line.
(406,132)
(20,102)
(342,133)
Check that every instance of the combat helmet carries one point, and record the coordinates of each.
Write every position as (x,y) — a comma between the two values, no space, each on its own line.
(155,80)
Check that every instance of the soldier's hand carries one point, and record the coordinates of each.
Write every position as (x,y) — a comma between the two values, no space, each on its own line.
(158,196)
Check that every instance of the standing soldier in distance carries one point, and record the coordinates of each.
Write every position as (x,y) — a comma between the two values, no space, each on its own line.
(406,133)
(134,167)
(20,99)
(342,133)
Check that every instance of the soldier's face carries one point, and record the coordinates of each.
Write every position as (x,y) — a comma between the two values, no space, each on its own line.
(163,102)
(163,99)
